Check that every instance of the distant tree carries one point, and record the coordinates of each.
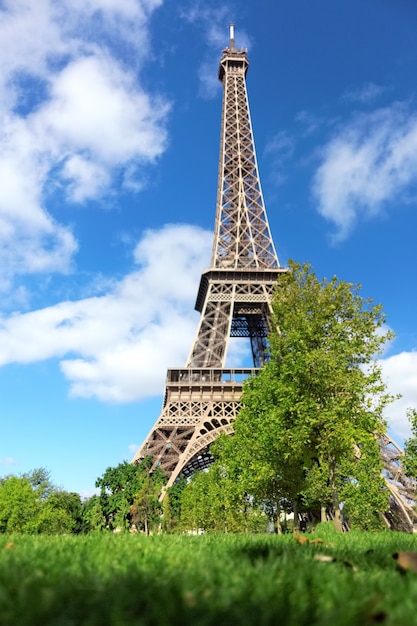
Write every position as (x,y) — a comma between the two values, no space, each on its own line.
(66,506)
(93,519)
(32,504)
(146,509)
(172,504)
(118,486)
(127,495)
(19,506)
(41,482)
(53,521)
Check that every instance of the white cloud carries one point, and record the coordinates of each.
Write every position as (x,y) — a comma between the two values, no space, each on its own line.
(96,108)
(365,95)
(280,149)
(209,83)
(400,373)
(86,494)
(371,161)
(8,460)
(72,115)
(310,122)
(30,33)
(85,178)
(117,346)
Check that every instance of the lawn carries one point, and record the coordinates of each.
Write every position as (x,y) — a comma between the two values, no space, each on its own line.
(121,580)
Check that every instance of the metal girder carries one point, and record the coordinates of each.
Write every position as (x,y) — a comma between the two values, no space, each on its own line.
(401,514)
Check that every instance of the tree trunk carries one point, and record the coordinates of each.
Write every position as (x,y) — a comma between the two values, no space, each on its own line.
(323,514)
(337,517)
(296,518)
(279,528)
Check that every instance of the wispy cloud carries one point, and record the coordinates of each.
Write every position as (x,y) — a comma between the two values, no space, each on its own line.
(7,460)
(309,122)
(367,94)
(279,150)
(370,161)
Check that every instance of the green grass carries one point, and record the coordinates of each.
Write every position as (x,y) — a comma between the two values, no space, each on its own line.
(120,580)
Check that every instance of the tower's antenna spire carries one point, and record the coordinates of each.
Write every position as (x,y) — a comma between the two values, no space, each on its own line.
(232,36)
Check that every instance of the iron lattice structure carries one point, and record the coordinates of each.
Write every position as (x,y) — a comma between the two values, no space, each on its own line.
(402,489)
(234,298)
(202,399)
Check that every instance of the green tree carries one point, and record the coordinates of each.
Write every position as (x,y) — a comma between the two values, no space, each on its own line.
(93,518)
(41,482)
(53,521)
(362,487)
(318,400)
(129,495)
(410,446)
(172,504)
(118,486)
(202,502)
(62,512)
(32,504)
(19,506)
(213,501)
(146,509)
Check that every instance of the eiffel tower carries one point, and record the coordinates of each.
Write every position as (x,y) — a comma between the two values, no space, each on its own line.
(202,399)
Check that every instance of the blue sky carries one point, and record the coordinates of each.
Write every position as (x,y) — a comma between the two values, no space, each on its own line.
(108,166)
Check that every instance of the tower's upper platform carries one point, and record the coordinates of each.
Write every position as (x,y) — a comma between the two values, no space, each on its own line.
(233,59)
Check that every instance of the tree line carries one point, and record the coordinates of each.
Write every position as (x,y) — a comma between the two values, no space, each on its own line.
(128,500)
(305,441)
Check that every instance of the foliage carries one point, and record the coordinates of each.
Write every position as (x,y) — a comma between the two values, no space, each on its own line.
(410,446)
(107,580)
(32,504)
(129,496)
(93,519)
(317,402)
(214,502)
(146,508)
(66,507)
(172,504)
(19,505)
(40,480)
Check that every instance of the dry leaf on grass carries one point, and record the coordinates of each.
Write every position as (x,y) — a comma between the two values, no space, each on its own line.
(304,540)
(406,560)
(324,558)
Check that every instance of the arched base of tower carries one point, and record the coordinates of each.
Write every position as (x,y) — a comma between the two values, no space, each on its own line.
(199,405)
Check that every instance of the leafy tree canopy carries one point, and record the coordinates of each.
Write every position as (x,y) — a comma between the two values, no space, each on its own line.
(129,495)
(410,447)
(32,504)
(306,430)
